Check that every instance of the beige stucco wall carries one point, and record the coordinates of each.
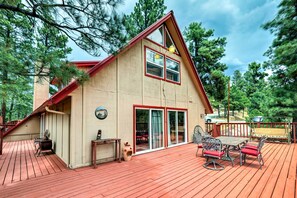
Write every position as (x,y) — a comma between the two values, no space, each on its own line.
(41,91)
(58,127)
(118,87)
(26,131)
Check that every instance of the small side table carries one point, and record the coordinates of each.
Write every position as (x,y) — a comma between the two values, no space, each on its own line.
(117,143)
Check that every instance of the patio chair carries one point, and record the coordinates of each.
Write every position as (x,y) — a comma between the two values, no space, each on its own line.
(212,149)
(250,150)
(198,134)
(254,146)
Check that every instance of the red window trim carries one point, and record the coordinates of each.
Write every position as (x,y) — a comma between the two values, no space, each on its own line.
(165,109)
(187,121)
(161,46)
(164,72)
(172,81)
(151,75)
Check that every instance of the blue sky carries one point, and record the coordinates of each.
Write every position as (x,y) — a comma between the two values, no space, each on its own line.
(238,20)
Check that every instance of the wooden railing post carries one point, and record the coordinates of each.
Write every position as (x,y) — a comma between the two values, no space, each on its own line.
(216,130)
(1,141)
(294,126)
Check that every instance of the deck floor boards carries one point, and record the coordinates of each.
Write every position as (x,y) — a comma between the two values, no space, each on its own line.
(173,172)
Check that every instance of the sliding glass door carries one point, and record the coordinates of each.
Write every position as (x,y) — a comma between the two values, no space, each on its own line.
(149,129)
(176,127)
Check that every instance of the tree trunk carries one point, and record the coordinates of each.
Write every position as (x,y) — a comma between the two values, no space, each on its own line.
(10,109)
(219,112)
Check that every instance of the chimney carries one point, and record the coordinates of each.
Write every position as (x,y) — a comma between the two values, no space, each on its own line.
(41,91)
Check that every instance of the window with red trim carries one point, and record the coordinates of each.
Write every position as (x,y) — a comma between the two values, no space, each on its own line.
(172,70)
(156,66)
(162,37)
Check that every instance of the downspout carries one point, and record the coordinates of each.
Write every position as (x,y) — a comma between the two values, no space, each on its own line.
(53,111)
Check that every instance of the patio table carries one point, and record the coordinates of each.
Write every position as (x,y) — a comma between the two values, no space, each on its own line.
(234,142)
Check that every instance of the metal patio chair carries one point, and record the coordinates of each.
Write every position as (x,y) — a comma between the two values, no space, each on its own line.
(255,146)
(198,134)
(213,150)
(251,150)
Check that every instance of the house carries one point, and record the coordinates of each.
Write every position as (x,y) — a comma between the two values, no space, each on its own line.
(150,89)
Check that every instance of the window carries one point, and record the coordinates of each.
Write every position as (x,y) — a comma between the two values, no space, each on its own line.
(172,70)
(154,63)
(169,41)
(158,37)
(176,127)
(149,129)
(155,66)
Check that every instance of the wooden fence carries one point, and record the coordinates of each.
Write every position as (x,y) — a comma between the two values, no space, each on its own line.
(4,128)
(240,129)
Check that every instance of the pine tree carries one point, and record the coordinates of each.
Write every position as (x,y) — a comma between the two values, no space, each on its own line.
(206,53)
(93,25)
(283,60)
(145,13)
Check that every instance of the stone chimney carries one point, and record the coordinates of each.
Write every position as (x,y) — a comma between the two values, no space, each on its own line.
(41,91)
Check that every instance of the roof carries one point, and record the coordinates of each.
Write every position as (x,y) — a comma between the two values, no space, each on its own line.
(80,65)
(63,93)
(85,63)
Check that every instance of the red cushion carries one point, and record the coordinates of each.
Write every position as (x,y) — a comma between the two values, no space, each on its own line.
(251,147)
(250,151)
(200,146)
(214,153)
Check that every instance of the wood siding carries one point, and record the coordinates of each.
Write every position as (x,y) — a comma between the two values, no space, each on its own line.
(118,87)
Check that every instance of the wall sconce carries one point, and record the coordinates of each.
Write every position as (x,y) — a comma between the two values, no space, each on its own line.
(101,113)
(202,115)
(171,49)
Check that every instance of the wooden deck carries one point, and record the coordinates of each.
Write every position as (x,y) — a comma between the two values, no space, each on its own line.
(173,172)
(19,163)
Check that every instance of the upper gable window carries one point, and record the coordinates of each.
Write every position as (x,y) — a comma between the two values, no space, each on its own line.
(160,66)
(165,40)
(169,41)
(154,63)
(172,70)
(157,36)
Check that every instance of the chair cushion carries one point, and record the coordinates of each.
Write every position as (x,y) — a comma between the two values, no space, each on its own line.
(250,151)
(214,153)
(251,147)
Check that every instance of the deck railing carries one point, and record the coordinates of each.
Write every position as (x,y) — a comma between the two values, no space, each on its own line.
(4,128)
(240,129)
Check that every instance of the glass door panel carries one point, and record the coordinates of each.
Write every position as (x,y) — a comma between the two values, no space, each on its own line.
(176,127)
(172,138)
(181,127)
(142,130)
(157,128)
(149,132)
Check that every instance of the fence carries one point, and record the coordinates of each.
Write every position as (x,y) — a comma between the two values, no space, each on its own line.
(244,129)
(4,128)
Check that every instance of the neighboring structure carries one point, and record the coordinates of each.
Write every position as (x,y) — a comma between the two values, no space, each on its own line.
(150,89)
